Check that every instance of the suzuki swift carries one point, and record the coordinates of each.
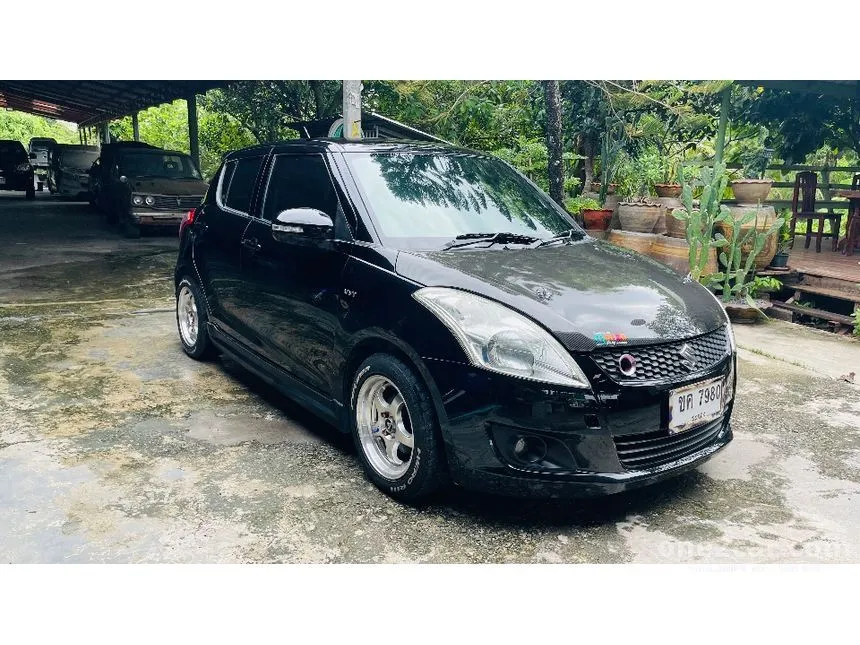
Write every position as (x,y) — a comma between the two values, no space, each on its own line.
(438,306)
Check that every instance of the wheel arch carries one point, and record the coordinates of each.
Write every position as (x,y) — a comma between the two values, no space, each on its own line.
(378,341)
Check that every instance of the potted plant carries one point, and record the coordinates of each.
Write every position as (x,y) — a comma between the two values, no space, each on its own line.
(780,260)
(667,186)
(589,212)
(740,287)
(753,188)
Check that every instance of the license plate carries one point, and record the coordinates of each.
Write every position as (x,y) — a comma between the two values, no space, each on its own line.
(695,404)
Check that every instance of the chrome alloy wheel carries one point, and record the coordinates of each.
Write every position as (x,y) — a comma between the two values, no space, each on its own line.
(186,313)
(384,427)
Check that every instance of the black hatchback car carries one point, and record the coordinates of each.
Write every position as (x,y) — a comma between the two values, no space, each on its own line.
(437,305)
(16,172)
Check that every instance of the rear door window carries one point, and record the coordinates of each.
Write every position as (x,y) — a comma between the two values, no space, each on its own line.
(237,187)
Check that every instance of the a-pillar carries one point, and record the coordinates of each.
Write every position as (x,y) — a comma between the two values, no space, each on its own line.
(135,127)
(193,139)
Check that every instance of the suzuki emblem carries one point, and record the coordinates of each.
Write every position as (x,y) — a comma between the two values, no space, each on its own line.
(688,357)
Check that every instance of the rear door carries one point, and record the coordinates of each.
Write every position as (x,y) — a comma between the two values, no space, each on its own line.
(291,299)
(218,238)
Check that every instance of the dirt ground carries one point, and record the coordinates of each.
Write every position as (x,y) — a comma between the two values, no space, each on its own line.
(115,447)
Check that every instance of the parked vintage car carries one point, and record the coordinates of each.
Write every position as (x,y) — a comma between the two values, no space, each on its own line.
(136,184)
(68,170)
(16,172)
(40,153)
(438,306)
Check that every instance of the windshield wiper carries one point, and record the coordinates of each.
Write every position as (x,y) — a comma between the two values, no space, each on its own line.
(469,239)
(567,237)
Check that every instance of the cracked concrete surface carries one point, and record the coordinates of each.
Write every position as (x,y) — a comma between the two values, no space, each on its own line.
(115,447)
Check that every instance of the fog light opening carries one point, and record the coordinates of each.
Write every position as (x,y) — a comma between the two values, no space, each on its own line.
(529,449)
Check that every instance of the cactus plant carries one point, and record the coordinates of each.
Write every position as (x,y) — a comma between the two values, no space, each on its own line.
(699,223)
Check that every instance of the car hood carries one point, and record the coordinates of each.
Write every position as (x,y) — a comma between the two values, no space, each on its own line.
(576,290)
(163,186)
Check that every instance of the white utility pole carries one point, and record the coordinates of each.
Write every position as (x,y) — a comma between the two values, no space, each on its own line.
(352,110)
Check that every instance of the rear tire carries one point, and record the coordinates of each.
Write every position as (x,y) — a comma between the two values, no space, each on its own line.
(395,429)
(192,320)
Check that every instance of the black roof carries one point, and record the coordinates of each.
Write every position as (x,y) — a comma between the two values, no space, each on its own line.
(342,145)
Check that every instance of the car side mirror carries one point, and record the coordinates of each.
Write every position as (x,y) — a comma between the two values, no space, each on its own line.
(295,224)
(33,155)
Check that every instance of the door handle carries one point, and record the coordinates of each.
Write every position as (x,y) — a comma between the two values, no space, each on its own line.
(251,244)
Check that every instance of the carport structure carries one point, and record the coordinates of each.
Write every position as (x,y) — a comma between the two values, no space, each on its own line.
(95,103)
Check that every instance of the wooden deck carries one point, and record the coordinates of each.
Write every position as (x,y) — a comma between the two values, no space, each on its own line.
(826,264)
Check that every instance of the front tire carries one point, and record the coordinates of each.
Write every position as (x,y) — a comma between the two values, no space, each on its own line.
(192,321)
(395,429)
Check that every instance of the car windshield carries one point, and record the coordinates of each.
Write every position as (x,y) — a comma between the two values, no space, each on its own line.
(157,164)
(76,158)
(425,200)
(12,151)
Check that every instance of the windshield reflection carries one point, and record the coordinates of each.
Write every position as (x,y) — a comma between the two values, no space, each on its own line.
(423,200)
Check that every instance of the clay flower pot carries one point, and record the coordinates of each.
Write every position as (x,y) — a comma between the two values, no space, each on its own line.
(597,220)
(668,190)
(751,191)
(595,186)
(639,217)
(675,227)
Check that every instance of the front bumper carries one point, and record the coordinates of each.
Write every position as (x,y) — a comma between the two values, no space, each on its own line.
(588,437)
(157,218)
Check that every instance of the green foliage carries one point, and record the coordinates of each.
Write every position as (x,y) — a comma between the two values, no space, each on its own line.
(799,123)
(755,162)
(611,143)
(761,284)
(575,205)
(700,222)
(531,157)
(166,126)
(856,315)
(22,127)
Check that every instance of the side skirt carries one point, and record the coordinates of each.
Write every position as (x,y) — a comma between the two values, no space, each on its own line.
(323,407)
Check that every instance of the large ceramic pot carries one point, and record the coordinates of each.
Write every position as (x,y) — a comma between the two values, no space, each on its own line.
(667,190)
(751,191)
(766,216)
(597,219)
(640,242)
(675,227)
(640,217)
(675,253)
(664,224)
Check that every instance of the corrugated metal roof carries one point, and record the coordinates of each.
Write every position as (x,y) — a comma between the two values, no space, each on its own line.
(92,102)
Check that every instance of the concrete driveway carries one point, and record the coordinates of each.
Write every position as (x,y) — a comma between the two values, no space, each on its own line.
(115,447)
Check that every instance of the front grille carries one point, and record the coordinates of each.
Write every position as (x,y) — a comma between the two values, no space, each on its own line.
(185,202)
(651,449)
(663,362)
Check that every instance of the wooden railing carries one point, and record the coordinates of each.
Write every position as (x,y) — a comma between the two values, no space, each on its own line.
(826,187)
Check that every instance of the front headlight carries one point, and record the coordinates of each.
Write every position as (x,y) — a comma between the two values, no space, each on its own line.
(137,200)
(499,339)
(149,199)
(22,167)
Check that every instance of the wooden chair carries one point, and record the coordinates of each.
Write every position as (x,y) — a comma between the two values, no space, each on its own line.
(852,230)
(803,207)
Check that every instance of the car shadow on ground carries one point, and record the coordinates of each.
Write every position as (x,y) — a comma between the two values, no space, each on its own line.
(485,508)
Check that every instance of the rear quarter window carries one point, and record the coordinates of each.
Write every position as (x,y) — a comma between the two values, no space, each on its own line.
(237,183)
